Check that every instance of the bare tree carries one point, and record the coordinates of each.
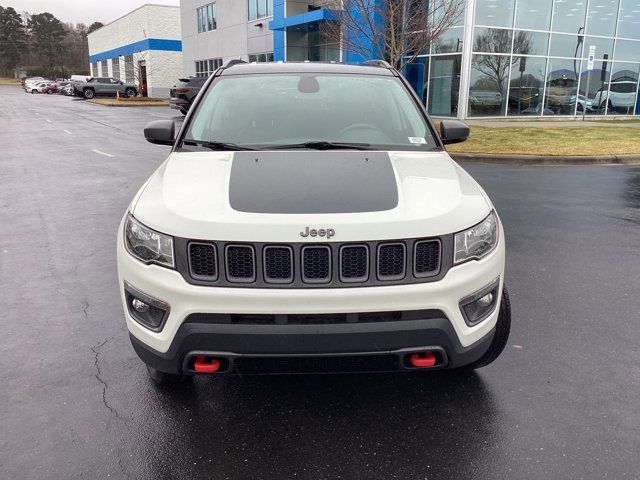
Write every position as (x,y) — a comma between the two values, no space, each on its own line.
(395,30)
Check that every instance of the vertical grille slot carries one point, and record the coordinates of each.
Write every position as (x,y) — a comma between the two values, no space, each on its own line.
(278,264)
(354,263)
(203,261)
(391,261)
(426,258)
(316,264)
(240,263)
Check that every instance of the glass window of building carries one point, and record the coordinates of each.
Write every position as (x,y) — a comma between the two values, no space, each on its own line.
(530,43)
(569,15)
(627,51)
(260,9)
(492,40)
(533,14)
(629,19)
(488,85)
(455,8)
(601,19)
(444,85)
(104,68)
(450,41)
(129,74)
(591,81)
(566,45)
(204,68)
(604,46)
(115,64)
(620,96)
(526,88)
(561,86)
(206,18)
(495,13)
(261,57)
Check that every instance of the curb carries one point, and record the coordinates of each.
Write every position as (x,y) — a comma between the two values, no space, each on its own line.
(546,159)
(126,104)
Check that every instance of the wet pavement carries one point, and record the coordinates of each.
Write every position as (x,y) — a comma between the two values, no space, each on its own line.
(563,401)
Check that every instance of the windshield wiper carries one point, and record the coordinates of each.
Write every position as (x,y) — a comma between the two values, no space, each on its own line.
(214,145)
(322,145)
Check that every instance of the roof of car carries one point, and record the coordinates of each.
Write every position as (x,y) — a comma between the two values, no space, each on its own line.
(305,67)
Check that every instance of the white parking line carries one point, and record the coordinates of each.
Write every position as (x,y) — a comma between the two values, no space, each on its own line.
(67,131)
(48,121)
(102,153)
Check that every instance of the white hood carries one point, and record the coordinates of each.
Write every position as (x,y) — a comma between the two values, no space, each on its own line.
(188,196)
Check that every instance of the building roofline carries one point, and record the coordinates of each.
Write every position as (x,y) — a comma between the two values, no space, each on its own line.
(134,10)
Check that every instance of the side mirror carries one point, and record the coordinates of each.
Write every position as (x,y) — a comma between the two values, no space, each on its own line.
(453,131)
(160,132)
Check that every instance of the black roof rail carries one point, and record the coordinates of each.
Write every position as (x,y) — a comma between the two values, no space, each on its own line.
(232,62)
(378,63)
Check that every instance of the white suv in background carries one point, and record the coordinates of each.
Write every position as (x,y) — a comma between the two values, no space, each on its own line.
(316,225)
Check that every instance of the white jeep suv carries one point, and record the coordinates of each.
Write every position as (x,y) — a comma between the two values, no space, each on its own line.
(309,220)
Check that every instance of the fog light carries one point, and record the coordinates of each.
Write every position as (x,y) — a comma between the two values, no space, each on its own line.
(485,301)
(146,310)
(479,306)
(139,306)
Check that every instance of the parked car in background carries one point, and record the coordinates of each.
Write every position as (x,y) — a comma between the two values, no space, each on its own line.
(585,103)
(104,86)
(80,78)
(50,88)
(184,92)
(621,96)
(32,87)
(31,82)
(33,79)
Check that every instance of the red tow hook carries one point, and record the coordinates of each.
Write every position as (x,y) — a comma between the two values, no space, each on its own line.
(206,365)
(422,360)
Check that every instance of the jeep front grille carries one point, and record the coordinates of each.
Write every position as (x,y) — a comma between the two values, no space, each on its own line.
(391,261)
(426,259)
(300,265)
(354,263)
(203,261)
(278,264)
(316,264)
(240,263)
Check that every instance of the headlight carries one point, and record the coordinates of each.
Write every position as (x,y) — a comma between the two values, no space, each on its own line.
(477,241)
(148,245)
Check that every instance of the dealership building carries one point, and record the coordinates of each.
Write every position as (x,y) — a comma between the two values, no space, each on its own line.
(505,58)
(142,47)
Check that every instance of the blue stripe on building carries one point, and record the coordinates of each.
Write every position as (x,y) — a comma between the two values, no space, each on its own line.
(159,44)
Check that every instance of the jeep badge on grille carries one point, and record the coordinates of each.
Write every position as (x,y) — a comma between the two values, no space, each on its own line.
(322,232)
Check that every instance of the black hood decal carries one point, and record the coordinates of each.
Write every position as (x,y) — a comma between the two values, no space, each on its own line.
(312,182)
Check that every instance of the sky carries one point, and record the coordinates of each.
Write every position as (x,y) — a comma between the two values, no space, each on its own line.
(82,11)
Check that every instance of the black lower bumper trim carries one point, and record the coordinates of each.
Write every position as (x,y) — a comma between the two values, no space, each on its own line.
(240,342)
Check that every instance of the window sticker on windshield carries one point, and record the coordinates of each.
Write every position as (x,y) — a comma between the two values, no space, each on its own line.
(418,140)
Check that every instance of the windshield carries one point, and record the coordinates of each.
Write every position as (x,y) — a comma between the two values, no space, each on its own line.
(307,110)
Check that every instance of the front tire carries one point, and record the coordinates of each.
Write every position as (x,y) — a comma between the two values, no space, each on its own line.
(163,378)
(500,337)
(130,93)
(49,92)
(88,94)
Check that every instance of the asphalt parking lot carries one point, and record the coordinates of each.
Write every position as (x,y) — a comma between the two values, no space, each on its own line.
(563,401)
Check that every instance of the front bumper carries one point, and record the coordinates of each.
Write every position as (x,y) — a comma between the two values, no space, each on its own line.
(445,328)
